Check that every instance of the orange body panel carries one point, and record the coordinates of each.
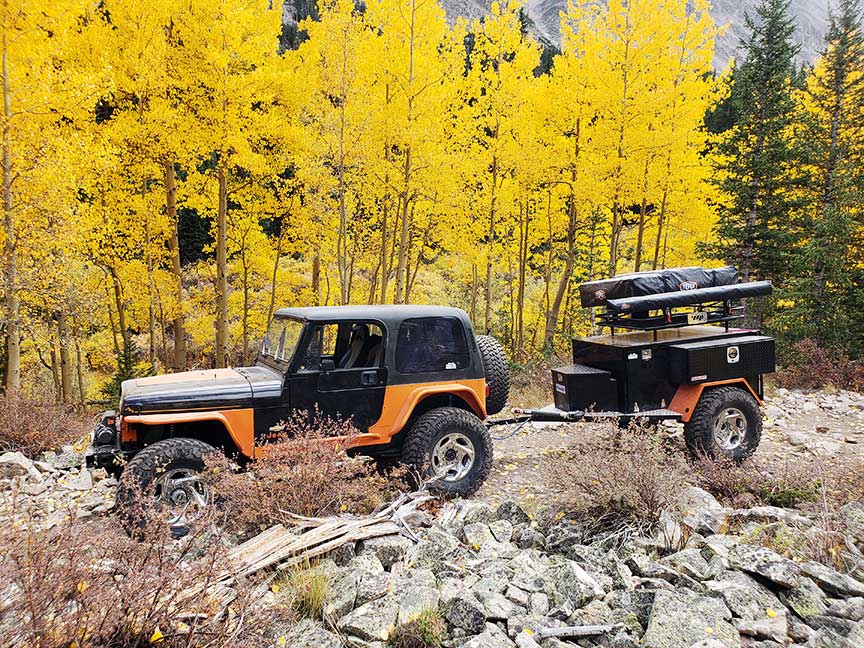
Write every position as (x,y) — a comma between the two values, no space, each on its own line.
(240,423)
(399,404)
(688,396)
(400,401)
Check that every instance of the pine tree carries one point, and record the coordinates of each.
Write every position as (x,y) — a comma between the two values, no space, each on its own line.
(833,106)
(757,161)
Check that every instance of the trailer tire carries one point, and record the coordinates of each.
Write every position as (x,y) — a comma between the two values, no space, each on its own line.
(455,435)
(161,462)
(726,422)
(497,373)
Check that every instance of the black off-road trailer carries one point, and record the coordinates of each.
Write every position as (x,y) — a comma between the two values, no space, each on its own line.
(671,354)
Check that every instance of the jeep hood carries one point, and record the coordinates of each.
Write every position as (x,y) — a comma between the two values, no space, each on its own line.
(199,390)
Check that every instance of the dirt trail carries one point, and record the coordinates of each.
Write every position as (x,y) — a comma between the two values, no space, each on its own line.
(828,424)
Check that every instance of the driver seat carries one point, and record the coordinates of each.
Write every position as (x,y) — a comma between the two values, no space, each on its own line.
(359,334)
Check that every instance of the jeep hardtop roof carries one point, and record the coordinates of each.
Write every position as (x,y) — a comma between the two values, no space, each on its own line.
(387,313)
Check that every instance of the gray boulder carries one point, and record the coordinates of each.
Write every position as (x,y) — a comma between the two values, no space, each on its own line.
(682,618)
(435,550)
(526,537)
(310,634)
(513,513)
(476,534)
(833,581)
(373,621)
(765,563)
(388,549)
(465,614)
(698,510)
(747,598)
(772,628)
(341,596)
(488,640)
(852,608)
(416,599)
(574,585)
(15,464)
(805,599)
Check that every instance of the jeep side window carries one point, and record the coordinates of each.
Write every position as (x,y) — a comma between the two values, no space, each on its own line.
(350,345)
(322,345)
(431,345)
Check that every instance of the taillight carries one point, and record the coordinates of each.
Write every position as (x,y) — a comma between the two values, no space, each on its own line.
(488,391)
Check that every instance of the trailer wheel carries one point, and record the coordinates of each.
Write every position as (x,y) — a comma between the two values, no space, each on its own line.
(726,422)
(497,373)
(452,445)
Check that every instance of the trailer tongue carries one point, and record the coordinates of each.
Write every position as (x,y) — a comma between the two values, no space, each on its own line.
(678,358)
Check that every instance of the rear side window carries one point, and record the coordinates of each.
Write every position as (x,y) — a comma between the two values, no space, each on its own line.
(431,344)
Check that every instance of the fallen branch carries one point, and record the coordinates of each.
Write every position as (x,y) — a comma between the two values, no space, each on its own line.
(579,631)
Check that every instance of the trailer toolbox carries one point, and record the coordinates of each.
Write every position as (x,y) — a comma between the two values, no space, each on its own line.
(580,387)
(721,359)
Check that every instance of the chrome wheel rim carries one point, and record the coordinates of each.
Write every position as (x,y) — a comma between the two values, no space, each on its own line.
(452,457)
(182,495)
(730,429)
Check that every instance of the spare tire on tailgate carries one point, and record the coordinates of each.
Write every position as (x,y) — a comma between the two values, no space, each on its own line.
(497,373)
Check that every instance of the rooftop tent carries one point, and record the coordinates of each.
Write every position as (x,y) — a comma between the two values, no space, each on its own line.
(637,284)
(679,298)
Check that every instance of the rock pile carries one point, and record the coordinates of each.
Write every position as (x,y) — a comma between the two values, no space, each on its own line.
(501,581)
(51,489)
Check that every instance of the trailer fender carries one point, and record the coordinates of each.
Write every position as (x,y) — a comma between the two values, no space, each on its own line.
(239,424)
(687,396)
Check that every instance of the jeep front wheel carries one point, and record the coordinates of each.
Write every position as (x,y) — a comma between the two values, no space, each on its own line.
(162,480)
(451,446)
(726,422)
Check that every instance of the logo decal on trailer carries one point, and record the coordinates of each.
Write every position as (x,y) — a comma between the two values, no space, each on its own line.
(688,285)
(732,354)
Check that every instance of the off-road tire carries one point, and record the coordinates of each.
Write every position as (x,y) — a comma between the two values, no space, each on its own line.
(497,373)
(699,430)
(427,431)
(147,465)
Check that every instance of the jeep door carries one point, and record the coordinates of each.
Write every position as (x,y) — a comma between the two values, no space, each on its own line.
(340,372)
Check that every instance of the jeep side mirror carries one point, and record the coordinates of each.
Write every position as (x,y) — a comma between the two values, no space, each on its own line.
(327,365)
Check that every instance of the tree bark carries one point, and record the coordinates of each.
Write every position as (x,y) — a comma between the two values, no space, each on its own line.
(316,278)
(13,305)
(65,362)
(79,362)
(405,201)
(222,269)
(490,247)
(640,236)
(179,323)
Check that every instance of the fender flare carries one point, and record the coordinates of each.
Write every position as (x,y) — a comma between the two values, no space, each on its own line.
(239,423)
(687,397)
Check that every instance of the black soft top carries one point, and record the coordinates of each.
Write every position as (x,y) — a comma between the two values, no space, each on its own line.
(387,313)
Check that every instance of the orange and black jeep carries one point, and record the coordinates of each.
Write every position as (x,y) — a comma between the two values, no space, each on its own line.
(414,380)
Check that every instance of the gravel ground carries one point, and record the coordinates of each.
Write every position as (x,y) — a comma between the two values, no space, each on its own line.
(828,424)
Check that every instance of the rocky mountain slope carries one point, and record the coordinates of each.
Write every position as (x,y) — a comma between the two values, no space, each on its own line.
(811,17)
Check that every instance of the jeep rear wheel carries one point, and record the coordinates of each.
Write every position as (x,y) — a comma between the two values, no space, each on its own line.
(162,481)
(451,446)
(497,373)
(726,422)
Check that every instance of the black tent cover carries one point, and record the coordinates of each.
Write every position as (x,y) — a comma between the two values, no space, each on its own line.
(645,303)
(637,284)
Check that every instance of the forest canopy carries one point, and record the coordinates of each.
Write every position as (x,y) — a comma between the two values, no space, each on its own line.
(171,174)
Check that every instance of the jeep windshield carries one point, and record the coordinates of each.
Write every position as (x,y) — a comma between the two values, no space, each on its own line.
(281,339)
